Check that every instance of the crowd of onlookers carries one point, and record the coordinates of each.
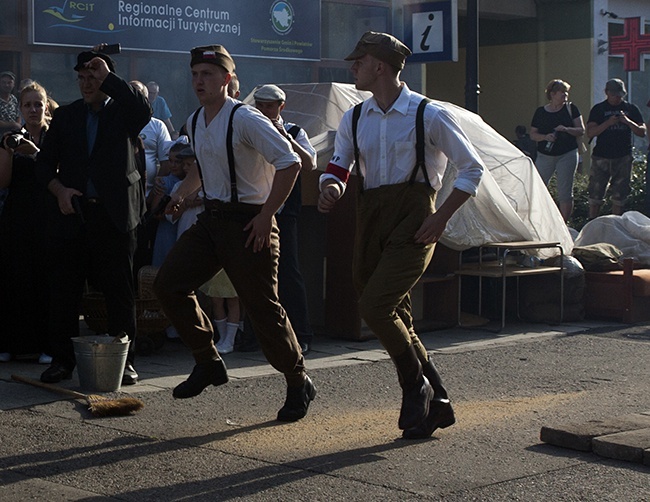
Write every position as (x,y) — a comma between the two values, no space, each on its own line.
(559,137)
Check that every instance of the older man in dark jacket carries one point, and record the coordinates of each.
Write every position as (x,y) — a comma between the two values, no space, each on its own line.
(88,163)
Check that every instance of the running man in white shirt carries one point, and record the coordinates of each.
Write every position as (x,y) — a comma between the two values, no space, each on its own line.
(397,224)
(237,232)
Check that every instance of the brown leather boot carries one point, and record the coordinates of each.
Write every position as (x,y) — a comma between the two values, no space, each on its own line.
(416,391)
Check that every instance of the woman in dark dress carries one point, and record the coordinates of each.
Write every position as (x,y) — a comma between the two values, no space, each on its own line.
(23,291)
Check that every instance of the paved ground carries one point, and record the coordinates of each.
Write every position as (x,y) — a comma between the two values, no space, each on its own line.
(225,444)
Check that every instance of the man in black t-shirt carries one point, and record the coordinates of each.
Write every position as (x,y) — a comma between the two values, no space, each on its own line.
(613,121)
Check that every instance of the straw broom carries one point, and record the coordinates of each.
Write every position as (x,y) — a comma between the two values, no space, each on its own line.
(99,406)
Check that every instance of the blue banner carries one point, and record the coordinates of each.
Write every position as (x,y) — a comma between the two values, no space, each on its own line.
(278,29)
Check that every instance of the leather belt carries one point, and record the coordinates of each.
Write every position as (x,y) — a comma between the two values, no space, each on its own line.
(217,208)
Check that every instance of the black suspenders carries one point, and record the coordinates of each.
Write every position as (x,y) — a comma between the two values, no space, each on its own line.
(229,150)
(419,143)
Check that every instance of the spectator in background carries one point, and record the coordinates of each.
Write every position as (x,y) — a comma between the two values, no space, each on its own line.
(270,100)
(155,140)
(160,109)
(9,113)
(612,122)
(524,143)
(88,163)
(166,233)
(24,297)
(555,127)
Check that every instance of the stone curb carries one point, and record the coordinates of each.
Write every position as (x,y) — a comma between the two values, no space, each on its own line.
(622,438)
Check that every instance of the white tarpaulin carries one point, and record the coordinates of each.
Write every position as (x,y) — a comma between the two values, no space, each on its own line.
(512,202)
(630,233)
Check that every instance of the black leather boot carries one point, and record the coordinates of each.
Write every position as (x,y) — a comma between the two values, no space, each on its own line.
(441,413)
(297,402)
(416,391)
(208,373)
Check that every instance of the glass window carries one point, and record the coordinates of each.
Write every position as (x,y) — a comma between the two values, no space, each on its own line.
(342,25)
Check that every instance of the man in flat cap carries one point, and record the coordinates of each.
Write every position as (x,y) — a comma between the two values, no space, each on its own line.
(247,170)
(88,163)
(612,122)
(9,112)
(397,224)
(270,100)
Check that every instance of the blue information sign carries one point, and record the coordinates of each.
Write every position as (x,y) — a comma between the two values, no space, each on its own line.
(431,31)
(278,29)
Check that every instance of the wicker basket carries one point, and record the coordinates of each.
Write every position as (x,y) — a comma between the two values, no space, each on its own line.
(149,317)
(148,313)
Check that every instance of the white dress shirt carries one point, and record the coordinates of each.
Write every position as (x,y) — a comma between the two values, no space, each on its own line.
(258,148)
(155,137)
(387,145)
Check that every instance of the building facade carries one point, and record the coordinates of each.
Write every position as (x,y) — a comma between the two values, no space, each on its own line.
(522,45)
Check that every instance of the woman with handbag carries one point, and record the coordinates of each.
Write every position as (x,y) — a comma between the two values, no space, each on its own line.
(556,127)
(23,291)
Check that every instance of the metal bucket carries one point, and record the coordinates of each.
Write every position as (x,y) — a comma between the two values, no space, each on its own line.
(100,361)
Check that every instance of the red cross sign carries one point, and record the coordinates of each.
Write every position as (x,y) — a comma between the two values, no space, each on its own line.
(631,45)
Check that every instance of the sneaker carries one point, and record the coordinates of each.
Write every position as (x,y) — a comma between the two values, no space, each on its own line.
(5,357)
(297,402)
(44,359)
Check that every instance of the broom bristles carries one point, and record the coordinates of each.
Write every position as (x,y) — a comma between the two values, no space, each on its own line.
(101,406)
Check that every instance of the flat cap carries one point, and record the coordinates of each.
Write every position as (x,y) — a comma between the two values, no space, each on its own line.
(269,92)
(213,54)
(383,46)
(616,86)
(86,56)
(8,74)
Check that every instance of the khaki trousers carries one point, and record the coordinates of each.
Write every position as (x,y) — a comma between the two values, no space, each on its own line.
(388,262)
(217,241)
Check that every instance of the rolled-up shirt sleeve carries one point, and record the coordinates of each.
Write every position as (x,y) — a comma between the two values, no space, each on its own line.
(448,136)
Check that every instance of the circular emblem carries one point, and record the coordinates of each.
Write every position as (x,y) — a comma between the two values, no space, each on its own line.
(281,17)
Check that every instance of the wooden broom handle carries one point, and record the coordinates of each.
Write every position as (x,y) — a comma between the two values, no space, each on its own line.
(50,387)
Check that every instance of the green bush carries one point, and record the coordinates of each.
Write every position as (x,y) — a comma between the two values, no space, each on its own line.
(636,201)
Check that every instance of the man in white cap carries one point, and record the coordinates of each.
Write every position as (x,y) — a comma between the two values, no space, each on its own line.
(397,224)
(612,122)
(247,170)
(270,100)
